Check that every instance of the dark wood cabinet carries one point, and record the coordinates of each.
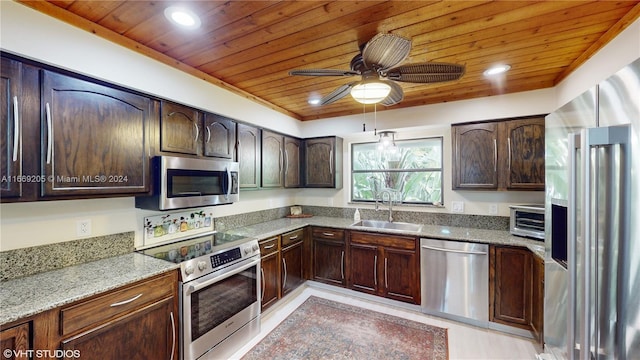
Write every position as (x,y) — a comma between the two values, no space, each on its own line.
(292,162)
(511,278)
(219,136)
(180,129)
(329,255)
(323,162)
(94,138)
(249,156)
(10,123)
(384,265)
(15,342)
(502,155)
(270,271)
(537,303)
(292,260)
(272,159)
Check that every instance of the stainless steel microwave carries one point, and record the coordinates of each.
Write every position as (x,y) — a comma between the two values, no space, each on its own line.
(181,182)
(528,220)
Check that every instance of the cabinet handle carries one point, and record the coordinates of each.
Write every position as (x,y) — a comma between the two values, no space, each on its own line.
(16,129)
(286,162)
(126,301)
(495,155)
(47,109)
(328,234)
(269,246)
(208,134)
(284,281)
(386,280)
(197,131)
(293,237)
(342,264)
(173,331)
(264,284)
(331,162)
(509,153)
(375,270)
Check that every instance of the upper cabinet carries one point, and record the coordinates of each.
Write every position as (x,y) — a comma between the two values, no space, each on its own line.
(10,121)
(180,129)
(94,138)
(219,136)
(292,162)
(499,155)
(249,156)
(272,159)
(323,162)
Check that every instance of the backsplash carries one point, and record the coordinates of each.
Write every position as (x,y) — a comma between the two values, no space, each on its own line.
(32,260)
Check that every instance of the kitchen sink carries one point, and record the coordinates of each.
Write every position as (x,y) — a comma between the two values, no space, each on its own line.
(386,225)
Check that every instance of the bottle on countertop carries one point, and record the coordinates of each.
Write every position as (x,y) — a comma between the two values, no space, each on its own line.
(356,215)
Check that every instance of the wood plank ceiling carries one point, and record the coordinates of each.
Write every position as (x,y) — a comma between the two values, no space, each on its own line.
(249,46)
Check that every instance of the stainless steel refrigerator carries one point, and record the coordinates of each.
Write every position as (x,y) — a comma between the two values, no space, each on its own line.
(592,227)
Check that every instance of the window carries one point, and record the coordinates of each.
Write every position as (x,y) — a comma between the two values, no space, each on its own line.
(412,170)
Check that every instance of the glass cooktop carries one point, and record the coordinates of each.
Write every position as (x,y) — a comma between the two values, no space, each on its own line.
(192,248)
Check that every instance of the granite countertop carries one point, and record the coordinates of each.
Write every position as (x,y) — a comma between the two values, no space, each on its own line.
(30,295)
(276,227)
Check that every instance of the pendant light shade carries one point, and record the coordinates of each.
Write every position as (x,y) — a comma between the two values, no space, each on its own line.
(370,92)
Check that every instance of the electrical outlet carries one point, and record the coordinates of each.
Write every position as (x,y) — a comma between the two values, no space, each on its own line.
(83,227)
(457,206)
(493,209)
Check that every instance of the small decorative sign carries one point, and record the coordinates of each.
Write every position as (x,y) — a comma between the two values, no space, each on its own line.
(160,228)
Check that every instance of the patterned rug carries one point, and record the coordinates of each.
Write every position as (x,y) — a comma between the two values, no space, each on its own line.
(324,329)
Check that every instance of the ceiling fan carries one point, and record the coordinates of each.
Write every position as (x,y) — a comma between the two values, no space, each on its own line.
(376,64)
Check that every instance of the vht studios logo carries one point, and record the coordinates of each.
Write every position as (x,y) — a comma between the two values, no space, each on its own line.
(36,354)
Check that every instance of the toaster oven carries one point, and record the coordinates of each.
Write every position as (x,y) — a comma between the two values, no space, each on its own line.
(528,221)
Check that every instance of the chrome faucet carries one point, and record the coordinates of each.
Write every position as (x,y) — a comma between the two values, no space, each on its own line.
(381,198)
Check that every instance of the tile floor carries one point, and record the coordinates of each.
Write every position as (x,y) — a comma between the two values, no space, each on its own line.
(465,341)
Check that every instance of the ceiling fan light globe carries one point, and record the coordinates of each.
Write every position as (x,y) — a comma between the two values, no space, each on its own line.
(370,92)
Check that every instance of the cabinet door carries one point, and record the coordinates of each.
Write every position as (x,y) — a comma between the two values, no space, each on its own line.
(292,173)
(249,156)
(363,268)
(512,286)
(537,304)
(270,279)
(147,333)
(292,267)
(272,159)
(94,138)
(15,342)
(320,164)
(10,128)
(400,269)
(219,136)
(525,154)
(475,156)
(329,261)
(180,129)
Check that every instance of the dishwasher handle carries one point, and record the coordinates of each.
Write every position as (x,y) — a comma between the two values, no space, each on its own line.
(454,251)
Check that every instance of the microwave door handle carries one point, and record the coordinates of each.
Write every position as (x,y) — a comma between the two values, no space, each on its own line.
(228,183)
(189,193)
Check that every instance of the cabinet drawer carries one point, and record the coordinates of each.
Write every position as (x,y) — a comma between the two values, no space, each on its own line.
(398,242)
(91,313)
(328,233)
(292,237)
(268,246)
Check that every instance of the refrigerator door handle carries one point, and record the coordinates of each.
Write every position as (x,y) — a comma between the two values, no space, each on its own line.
(572,223)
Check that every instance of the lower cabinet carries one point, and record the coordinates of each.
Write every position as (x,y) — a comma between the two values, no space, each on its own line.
(384,265)
(15,342)
(516,284)
(270,271)
(292,260)
(329,256)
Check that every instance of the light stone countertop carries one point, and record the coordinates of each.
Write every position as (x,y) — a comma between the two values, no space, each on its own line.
(30,295)
(499,237)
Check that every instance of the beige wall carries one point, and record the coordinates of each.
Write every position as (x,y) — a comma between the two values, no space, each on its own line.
(33,35)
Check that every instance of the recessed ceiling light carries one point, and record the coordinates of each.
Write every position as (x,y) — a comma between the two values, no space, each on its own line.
(314,101)
(497,69)
(183,17)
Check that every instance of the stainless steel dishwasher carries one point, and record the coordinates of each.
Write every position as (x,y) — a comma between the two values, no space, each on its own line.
(455,280)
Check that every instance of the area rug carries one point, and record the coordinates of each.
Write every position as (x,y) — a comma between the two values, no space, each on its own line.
(325,329)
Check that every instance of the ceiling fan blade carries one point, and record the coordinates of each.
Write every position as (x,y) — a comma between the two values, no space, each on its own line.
(386,50)
(323,72)
(395,96)
(337,94)
(429,72)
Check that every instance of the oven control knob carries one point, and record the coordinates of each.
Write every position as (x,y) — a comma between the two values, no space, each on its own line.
(255,247)
(202,265)
(247,250)
(189,269)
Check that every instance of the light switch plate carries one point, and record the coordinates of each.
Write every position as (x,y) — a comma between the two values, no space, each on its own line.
(457,206)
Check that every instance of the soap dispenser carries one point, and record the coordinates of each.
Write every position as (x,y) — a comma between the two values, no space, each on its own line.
(356,215)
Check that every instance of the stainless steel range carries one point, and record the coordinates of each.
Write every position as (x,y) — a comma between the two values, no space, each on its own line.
(219,293)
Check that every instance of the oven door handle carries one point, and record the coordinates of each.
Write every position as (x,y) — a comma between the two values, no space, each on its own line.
(206,281)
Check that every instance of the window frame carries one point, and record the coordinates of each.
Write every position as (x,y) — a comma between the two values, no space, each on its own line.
(409,203)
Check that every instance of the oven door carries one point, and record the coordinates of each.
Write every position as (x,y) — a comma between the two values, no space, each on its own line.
(216,305)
